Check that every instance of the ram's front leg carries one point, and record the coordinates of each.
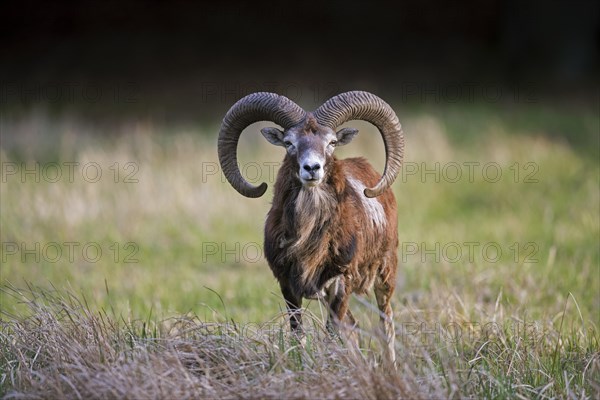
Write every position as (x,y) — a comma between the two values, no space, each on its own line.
(338,310)
(294,308)
(338,297)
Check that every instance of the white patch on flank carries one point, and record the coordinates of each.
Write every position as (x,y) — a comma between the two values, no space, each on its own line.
(371,205)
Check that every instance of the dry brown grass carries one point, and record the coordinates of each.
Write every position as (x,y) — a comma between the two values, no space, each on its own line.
(66,350)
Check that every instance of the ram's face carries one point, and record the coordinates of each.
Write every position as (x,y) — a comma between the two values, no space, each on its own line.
(312,146)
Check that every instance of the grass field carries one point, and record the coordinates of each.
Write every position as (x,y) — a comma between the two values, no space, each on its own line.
(131,269)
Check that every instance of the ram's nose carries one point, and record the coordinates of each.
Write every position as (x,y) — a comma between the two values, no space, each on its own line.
(312,168)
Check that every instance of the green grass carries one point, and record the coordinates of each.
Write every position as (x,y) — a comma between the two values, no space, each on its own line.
(470,324)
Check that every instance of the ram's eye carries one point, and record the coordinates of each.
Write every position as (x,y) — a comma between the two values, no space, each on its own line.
(333,142)
(287,143)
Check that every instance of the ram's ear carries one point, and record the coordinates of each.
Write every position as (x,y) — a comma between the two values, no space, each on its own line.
(273,135)
(345,136)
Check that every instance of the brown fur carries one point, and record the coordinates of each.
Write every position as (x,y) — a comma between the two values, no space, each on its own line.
(314,235)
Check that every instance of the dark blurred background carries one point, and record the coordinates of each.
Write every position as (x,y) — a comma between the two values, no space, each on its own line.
(183,61)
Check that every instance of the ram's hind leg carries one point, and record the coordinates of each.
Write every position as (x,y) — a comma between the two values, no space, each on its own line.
(384,290)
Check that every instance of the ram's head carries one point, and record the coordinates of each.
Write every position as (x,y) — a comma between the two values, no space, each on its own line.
(311,145)
(309,138)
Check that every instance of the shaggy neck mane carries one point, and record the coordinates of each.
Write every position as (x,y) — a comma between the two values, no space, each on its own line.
(314,216)
(313,212)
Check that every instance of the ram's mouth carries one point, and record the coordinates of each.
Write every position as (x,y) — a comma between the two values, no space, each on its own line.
(312,182)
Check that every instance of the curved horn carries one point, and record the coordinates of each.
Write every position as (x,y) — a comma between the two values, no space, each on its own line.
(255,107)
(368,107)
